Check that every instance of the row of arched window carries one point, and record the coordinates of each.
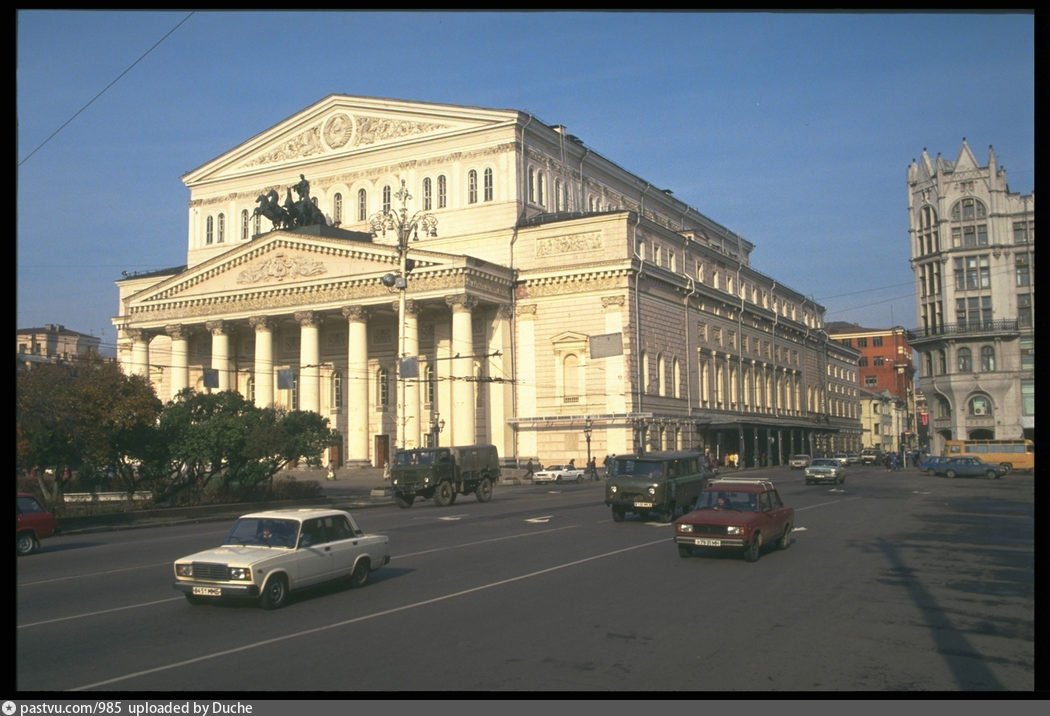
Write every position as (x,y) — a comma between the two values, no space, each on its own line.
(964,361)
(434,194)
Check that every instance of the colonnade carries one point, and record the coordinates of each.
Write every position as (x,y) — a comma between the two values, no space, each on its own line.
(412,425)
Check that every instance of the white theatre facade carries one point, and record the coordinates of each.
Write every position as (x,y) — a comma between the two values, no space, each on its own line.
(563,303)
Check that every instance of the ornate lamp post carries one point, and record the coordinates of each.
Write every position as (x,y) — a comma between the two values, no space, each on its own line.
(406,228)
(587,434)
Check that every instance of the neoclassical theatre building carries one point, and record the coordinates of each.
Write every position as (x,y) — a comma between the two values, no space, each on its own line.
(554,304)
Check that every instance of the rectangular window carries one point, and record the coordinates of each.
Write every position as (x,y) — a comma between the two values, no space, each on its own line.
(1024,310)
(876,342)
(871,381)
(1027,397)
(1020,232)
(1021,270)
(1027,353)
(862,343)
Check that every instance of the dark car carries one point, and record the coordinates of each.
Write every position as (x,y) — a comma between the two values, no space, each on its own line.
(736,513)
(968,467)
(32,524)
(930,463)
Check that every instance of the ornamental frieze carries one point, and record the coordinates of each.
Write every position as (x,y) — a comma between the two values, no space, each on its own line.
(572,244)
(302,145)
(281,267)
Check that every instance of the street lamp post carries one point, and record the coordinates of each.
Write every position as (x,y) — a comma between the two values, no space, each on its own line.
(406,228)
(587,434)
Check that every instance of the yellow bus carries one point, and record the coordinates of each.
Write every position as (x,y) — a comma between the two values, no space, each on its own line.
(1009,454)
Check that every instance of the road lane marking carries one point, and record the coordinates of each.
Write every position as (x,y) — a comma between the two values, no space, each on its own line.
(544,519)
(171,599)
(366,617)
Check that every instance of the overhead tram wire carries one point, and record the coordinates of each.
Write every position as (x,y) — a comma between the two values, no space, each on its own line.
(106,88)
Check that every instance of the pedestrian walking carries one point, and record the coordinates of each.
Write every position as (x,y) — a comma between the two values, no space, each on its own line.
(529,469)
(331,470)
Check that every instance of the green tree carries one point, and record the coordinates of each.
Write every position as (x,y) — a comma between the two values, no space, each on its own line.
(87,416)
(221,440)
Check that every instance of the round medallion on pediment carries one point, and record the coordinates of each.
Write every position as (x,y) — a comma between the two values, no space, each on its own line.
(338,130)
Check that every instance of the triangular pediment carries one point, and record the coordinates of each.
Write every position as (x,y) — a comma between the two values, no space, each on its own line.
(280,261)
(342,125)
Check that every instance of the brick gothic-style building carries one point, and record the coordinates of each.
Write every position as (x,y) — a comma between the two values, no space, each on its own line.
(562,303)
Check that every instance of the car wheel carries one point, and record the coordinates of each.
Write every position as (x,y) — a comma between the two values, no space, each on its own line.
(484,490)
(443,494)
(618,514)
(275,592)
(26,543)
(684,551)
(950,473)
(785,539)
(360,574)
(405,501)
(992,474)
(752,551)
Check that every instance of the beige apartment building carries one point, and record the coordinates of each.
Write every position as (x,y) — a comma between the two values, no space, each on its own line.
(973,255)
(551,302)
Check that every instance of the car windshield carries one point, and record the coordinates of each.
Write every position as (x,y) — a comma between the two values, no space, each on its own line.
(638,468)
(264,531)
(728,500)
(824,462)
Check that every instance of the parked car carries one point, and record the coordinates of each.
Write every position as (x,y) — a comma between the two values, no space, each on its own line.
(797,462)
(267,555)
(853,458)
(559,473)
(825,469)
(32,523)
(968,467)
(736,513)
(929,464)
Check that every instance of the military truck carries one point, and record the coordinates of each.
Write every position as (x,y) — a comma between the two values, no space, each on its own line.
(659,485)
(443,473)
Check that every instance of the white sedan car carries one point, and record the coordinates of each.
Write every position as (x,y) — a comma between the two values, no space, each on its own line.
(559,473)
(268,554)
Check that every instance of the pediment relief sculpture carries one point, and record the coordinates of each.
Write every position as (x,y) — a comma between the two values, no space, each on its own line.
(280,267)
(341,130)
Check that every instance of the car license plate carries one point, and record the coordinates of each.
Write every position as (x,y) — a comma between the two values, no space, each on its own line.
(207,591)
(705,542)
(643,504)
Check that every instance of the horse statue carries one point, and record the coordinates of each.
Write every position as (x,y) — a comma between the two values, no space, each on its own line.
(268,207)
(303,212)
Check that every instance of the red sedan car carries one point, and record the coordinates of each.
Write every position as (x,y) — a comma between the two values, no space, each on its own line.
(737,514)
(32,524)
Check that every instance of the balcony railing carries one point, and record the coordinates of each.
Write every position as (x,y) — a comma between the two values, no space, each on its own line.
(968,328)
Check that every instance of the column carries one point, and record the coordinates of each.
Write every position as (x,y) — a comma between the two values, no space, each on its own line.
(309,360)
(357,385)
(220,352)
(139,352)
(180,367)
(614,367)
(410,423)
(500,404)
(263,370)
(525,377)
(463,428)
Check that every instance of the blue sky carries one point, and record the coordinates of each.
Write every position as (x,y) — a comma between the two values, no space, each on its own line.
(794,130)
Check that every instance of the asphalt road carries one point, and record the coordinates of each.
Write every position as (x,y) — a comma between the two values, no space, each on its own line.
(894,582)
